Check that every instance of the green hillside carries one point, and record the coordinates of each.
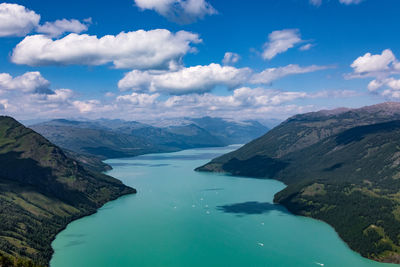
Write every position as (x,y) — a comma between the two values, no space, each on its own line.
(42,190)
(342,167)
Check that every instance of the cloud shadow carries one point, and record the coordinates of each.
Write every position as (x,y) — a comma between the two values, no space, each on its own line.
(251,208)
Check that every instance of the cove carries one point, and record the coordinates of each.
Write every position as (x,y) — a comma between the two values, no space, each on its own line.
(180,217)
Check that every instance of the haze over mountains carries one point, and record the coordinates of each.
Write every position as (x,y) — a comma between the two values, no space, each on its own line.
(341,166)
(118,138)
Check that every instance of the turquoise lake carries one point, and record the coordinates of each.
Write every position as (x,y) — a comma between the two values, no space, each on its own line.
(180,217)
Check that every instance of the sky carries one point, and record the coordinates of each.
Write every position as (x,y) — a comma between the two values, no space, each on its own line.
(155,59)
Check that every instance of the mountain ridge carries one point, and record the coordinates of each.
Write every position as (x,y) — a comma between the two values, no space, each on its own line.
(42,190)
(117,138)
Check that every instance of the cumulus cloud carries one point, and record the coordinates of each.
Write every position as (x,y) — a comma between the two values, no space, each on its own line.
(369,63)
(382,67)
(272,74)
(185,80)
(201,79)
(241,103)
(180,11)
(30,82)
(280,41)
(241,98)
(16,20)
(58,27)
(139,49)
(139,99)
(230,58)
(30,95)
(86,106)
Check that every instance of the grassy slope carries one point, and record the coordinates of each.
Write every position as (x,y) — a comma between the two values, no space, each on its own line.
(347,176)
(42,190)
(304,130)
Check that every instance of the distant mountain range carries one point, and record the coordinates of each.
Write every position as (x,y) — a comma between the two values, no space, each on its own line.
(41,191)
(117,138)
(341,166)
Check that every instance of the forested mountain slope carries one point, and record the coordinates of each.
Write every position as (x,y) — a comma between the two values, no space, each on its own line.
(42,190)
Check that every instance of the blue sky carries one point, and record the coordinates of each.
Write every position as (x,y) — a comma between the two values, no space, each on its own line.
(290,56)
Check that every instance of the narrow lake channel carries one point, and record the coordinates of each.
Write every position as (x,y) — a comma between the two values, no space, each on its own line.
(184,218)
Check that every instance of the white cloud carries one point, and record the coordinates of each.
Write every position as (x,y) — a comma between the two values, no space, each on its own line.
(58,27)
(60,95)
(241,103)
(306,47)
(86,106)
(139,99)
(181,11)
(349,2)
(373,63)
(200,79)
(31,82)
(3,104)
(392,94)
(241,98)
(375,85)
(280,41)
(345,2)
(185,80)
(139,49)
(316,2)
(382,67)
(392,85)
(271,74)
(230,58)
(29,95)
(16,20)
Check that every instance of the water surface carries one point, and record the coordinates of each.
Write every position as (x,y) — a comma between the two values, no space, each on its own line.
(183,218)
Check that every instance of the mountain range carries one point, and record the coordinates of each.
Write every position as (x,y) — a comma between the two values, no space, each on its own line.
(340,166)
(117,138)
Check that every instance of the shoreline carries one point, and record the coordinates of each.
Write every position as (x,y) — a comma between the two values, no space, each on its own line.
(384,260)
(376,260)
(82,216)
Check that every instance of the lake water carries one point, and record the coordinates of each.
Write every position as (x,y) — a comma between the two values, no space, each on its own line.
(183,218)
